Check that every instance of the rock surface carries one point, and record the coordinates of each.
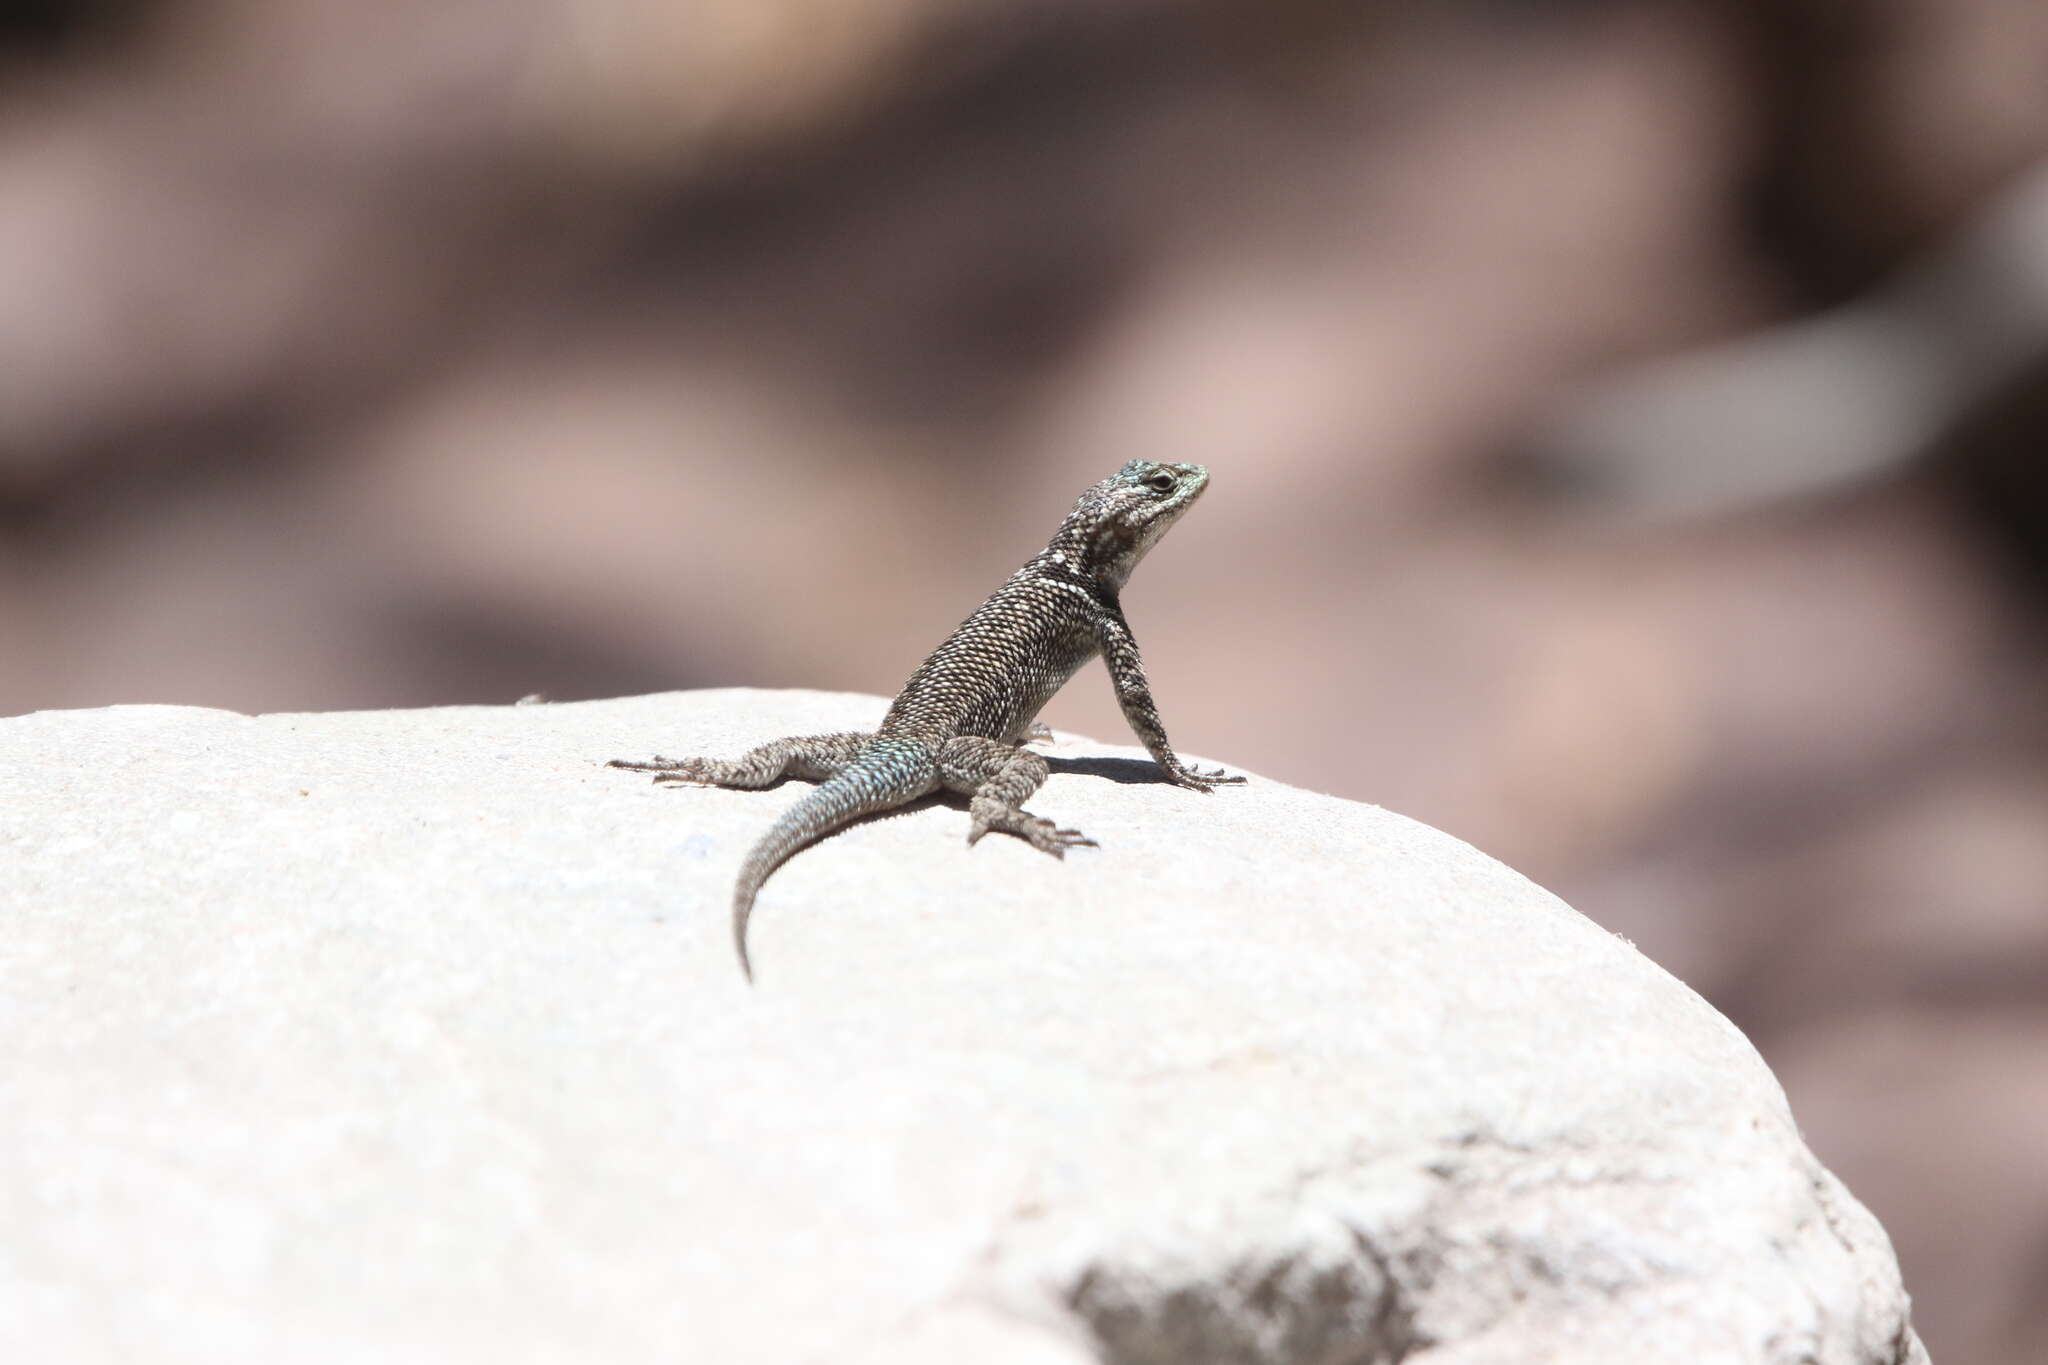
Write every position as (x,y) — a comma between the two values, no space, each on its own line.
(418,1036)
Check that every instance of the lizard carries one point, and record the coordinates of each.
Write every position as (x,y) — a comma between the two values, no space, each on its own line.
(962,719)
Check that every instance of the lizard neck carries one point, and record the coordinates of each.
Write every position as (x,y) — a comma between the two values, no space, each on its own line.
(1102,550)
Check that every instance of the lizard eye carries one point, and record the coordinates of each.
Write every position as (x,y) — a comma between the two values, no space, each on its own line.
(1162,482)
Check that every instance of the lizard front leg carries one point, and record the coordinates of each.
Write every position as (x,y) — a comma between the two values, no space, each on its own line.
(1134,695)
(809,758)
(998,778)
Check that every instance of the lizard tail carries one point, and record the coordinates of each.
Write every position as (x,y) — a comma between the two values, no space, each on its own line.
(871,782)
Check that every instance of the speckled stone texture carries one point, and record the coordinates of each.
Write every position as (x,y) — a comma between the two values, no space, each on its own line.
(417,1036)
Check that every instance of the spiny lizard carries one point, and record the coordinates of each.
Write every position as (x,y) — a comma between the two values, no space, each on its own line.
(961,720)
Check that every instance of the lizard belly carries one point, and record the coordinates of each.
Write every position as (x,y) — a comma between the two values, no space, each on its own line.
(1034,687)
(1028,708)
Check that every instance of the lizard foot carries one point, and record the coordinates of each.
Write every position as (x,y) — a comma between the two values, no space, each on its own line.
(666,769)
(1041,833)
(1195,779)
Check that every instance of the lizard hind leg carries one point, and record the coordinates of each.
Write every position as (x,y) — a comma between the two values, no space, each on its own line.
(998,778)
(808,758)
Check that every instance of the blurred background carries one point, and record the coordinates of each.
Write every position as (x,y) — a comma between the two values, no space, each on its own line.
(1625,422)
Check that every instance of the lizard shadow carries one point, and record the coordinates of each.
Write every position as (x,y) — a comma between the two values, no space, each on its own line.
(1141,772)
(1127,771)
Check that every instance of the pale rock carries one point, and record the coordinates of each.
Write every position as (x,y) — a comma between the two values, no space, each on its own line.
(417,1036)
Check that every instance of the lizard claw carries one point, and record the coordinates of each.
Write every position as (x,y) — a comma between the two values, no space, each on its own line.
(1195,779)
(1058,841)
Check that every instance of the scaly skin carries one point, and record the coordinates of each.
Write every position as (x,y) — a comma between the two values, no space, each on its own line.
(961,720)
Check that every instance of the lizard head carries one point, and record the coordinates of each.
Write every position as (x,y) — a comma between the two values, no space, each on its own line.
(1119,519)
